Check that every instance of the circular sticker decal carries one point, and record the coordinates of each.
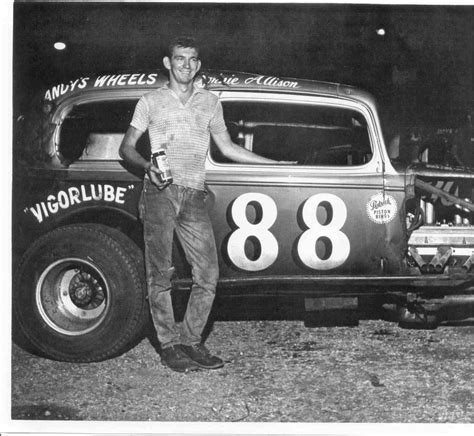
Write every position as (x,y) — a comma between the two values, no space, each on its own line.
(382,208)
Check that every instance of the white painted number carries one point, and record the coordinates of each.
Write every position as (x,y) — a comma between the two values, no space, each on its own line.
(321,247)
(335,244)
(259,230)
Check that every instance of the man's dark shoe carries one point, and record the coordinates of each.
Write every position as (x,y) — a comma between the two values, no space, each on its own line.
(176,359)
(201,355)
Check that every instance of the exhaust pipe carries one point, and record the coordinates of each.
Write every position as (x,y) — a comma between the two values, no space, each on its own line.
(467,265)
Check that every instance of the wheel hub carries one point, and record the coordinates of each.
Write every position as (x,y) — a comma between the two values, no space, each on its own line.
(72,296)
(85,291)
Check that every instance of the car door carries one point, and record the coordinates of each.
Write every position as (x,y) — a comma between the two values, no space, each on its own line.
(325,212)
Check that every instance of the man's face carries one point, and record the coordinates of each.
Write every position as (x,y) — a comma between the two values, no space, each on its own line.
(183,65)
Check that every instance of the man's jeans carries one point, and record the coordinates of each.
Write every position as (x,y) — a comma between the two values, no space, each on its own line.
(181,210)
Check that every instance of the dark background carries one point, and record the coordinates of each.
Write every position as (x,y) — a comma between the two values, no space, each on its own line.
(420,71)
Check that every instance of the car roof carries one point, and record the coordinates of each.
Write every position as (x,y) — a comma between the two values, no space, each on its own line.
(213,80)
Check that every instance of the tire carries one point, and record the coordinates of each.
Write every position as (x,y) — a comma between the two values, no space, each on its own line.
(80,294)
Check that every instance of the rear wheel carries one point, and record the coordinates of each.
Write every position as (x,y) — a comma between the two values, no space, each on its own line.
(80,294)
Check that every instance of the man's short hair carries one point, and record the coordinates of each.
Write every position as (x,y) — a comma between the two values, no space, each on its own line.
(183,42)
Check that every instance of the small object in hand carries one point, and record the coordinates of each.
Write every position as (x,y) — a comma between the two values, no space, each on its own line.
(160,161)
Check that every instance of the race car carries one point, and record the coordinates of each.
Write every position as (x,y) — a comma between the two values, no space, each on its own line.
(342,226)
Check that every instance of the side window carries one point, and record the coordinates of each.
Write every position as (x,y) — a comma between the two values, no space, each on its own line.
(93,131)
(308,134)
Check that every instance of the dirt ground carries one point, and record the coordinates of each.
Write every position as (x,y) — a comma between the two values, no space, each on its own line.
(275,371)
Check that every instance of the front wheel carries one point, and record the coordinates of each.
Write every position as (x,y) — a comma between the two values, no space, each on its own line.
(80,294)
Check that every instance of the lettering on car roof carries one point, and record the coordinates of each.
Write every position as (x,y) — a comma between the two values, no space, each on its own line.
(106,80)
(251,80)
(152,79)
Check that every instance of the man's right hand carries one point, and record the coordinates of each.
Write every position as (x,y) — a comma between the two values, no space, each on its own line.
(154,175)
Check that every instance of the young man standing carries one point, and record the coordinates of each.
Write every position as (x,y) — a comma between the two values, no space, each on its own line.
(180,118)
